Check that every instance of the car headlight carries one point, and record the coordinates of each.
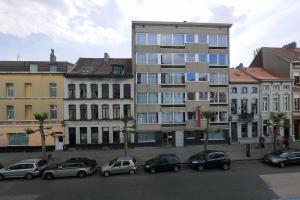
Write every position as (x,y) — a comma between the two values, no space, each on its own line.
(194,162)
(147,166)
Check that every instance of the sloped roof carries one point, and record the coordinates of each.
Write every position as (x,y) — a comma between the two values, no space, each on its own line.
(263,74)
(238,76)
(289,55)
(24,66)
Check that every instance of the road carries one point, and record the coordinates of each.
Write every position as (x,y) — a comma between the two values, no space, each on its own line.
(245,180)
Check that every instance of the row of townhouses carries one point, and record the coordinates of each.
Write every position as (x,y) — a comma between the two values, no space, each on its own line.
(178,70)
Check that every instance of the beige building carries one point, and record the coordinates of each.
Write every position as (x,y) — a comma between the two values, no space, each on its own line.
(27,87)
(181,70)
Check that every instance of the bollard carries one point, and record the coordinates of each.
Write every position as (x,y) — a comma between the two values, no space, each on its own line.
(248,153)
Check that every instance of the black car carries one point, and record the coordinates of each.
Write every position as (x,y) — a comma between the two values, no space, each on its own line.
(283,157)
(209,159)
(88,162)
(164,162)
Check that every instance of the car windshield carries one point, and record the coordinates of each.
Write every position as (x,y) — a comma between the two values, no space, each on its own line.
(277,153)
(112,162)
(202,156)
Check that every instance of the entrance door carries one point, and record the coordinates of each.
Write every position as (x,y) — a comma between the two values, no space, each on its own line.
(234,135)
(105,135)
(297,129)
(59,142)
(167,138)
(72,137)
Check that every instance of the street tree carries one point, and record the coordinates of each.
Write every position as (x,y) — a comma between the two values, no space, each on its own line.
(208,116)
(127,130)
(278,120)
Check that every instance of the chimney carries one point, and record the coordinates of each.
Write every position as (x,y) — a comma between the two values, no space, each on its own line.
(52,56)
(292,45)
(240,66)
(106,57)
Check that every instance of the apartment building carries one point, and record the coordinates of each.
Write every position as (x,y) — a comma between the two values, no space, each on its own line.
(284,62)
(180,71)
(27,87)
(98,94)
(244,115)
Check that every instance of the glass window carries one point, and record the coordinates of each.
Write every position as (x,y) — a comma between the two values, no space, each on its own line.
(275,103)
(9,89)
(167,97)
(254,90)
(244,90)
(166,58)
(213,78)
(116,91)
(142,98)
(214,97)
(53,89)
(117,69)
(191,115)
(203,96)
(146,137)
(179,59)
(152,98)
(234,90)
(94,135)
(213,40)
(152,38)
(265,127)
(72,112)
(213,59)
(94,91)
(18,139)
(265,101)
(244,130)
(234,106)
(142,118)
(33,67)
(152,118)
(167,117)
(190,38)
(203,77)
(53,68)
(179,117)
(222,40)
(178,78)
(223,97)
(166,78)
(166,39)
(223,116)
(82,88)
(10,112)
(152,58)
(140,38)
(223,78)
(178,39)
(244,106)
(191,96)
(191,76)
(190,57)
(223,59)
(116,111)
(152,78)
(179,97)
(203,57)
(83,135)
(141,58)
(202,39)
(254,106)
(127,110)
(141,78)
(127,91)
(83,112)
(105,91)
(105,111)
(94,111)
(286,102)
(53,111)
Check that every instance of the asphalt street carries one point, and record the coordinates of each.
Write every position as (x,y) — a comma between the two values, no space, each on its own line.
(243,181)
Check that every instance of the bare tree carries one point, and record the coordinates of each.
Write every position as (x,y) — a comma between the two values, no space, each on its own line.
(255,52)
(127,130)
(208,116)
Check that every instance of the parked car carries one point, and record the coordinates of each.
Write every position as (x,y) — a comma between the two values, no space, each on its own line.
(163,162)
(1,166)
(209,159)
(67,169)
(283,157)
(88,162)
(120,165)
(28,169)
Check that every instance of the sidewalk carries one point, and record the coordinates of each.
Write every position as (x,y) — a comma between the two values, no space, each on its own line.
(235,152)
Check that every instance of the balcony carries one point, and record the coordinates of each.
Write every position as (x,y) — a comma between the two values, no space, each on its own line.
(246,117)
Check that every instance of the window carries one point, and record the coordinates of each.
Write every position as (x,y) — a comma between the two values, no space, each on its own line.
(72,112)
(141,38)
(28,112)
(28,89)
(234,106)
(213,59)
(167,117)
(179,97)
(94,135)
(117,69)
(191,96)
(82,88)
(152,98)
(218,78)
(265,127)
(116,111)
(223,116)
(203,77)
(142,118)
(178,59)
(286,87)
(222,40)
(254,90)
(191,76)
(254,106)
(286,102)
(190,38)
(179,117)
(178,39)
(254,129)
(166,78)
(234,90)
(213,40)
(142,98)
(105,111)
(141,58)
(116,91)
(203,96)
(297,103)
(166,39)
(53,111)
(167,98)
(244,130)
(9,89)
(202,39)
(94,91)
(83,135)
(296,80)
(266,87)
(178,78)
(152,118)
(214,97)
(10,112)
(276,103)
(222,59)
(127,110)
(276,87)
(222,97)
(244,90)
(94,111)
(53,68)
(127,91)
(152,78)
(33,67)
(141,78)
(53,89)
(18,139)
(265,101)
(191,115)
(152,58)
(125,163)
(105,91)
(146,137)
(166,58)
(152,38)
(83,112)
(244,104)
(203,57)
(71,91)
(190,57)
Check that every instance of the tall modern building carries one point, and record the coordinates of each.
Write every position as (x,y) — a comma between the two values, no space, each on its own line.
(181,71)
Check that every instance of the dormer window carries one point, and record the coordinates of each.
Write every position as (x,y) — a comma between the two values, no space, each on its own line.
(53,68)
(33,68)
(117,69)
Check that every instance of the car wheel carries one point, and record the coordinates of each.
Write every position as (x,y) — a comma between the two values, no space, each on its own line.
(152,171)
(106,174)
(132,171)
(176,169)
(81,174)
(49,176)
(225,166)
(28,176)
(282,165)
(1,177)
(200,168)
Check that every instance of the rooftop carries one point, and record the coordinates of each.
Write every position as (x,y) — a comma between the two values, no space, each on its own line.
(289,55)
(238,76)
(263,74)
(184,23)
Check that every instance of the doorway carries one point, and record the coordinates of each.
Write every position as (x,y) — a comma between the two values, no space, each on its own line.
(234,132)
(105,135)
(72,137)
(167,138)
(59,141)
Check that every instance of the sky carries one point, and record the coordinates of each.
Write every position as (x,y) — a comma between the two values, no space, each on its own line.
(88,28)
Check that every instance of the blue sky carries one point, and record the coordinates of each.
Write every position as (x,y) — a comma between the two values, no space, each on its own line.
(88,28)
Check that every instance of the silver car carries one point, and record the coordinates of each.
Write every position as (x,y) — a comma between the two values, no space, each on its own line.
(67,169)
(120,165)
(24,169)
